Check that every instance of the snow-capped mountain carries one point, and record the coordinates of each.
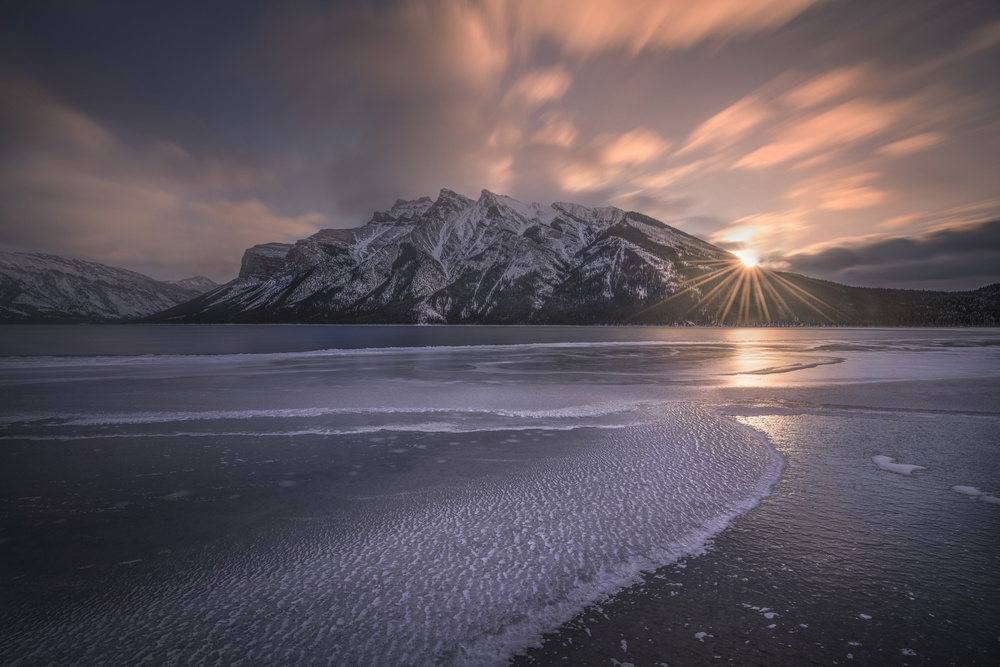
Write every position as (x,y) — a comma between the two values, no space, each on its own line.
(49,288)
(458,260)
(197,284)
(495,260)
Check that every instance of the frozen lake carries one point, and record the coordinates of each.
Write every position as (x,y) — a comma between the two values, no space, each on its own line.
(447,495)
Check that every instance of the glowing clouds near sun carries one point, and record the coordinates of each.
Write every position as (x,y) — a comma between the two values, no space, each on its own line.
(749,258)
(709,116)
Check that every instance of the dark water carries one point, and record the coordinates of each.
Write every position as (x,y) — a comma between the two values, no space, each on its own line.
(448,495)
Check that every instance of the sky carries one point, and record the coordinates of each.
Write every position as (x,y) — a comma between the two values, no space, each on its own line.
(851,140)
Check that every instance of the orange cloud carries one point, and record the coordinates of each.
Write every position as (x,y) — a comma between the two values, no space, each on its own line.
(541,86)
(636,147)
(558,130)
(838,127)
(670,176)
(846,193)
(914,144)
(583,27)
(577,177)
(729,125)
(606,160)
(899,221)
(825,87)
(847,198)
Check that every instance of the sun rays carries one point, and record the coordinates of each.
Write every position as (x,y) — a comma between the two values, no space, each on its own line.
(743,293)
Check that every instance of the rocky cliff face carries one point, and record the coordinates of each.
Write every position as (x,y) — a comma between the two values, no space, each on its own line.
(48,288)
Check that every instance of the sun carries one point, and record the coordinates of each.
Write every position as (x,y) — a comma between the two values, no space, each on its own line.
(748,257)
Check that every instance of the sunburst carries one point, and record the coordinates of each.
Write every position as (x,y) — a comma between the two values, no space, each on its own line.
(745,293)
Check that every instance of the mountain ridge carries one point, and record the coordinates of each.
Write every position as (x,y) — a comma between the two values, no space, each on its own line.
(41,287)
(490,260)
(496,260)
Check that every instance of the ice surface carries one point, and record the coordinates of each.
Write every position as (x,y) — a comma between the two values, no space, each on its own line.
(886,463)
(384,567)
(464,576)
(974,492)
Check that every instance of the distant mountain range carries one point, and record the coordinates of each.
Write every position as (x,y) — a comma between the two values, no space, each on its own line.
(495,260)
(49,288)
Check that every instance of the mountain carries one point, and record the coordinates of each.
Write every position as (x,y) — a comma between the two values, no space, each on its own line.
(495,260)
(49,288)
(198,284)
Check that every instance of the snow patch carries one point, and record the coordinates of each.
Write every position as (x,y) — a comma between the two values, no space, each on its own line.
(886,463)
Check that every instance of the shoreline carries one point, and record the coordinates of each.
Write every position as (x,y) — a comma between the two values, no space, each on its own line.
(793,582)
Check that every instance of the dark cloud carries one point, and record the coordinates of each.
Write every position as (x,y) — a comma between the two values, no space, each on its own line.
(959,258)
(71,186)
(415,85)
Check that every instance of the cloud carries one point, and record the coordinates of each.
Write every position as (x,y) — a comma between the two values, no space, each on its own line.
(540,86)
(832,129)
(70,185)
(583,27)
(418,88)
(662,208)
(636,147)
(826,87)
(850,193)
(767,234)
(914,144)
(960,257)
(668,177)
(558,129)
(729,125)
(441,92)
(609,159)
(986,37)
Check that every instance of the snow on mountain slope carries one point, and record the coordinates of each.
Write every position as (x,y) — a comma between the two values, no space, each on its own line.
(458,260)
(40,287)
(199,284)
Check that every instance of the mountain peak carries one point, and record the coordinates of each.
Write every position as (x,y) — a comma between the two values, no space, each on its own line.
(448,200)
(450,194)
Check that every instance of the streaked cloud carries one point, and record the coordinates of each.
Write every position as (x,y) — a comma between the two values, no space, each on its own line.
(729,125)
(636,147)
(558,129)
(832,129)
(608,159)
(828,86)
(583,27)
(840,191)
(914,144)
(541,86)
